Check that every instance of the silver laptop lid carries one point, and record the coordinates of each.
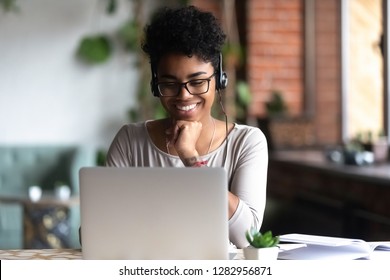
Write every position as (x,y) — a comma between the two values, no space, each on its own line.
(154,213)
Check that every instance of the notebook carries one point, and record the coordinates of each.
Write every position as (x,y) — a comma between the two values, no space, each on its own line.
(316,247)
(154,213)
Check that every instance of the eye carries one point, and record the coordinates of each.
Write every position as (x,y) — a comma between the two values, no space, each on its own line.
(197,83)
(168,85)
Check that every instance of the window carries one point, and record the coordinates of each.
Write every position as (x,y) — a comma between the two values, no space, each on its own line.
(364,69)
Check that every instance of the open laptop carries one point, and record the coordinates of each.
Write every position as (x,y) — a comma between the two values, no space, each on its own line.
(154,213)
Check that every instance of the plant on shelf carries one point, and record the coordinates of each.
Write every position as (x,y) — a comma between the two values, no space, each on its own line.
(262,246)
(276,106)
(376,143)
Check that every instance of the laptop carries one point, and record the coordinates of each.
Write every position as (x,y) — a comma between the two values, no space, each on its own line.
(154,213)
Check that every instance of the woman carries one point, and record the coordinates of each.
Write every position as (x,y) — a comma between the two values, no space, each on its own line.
(184,47)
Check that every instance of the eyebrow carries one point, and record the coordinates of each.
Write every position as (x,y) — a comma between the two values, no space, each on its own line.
(188,77)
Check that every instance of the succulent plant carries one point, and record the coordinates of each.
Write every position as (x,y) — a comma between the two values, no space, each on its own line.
(258,240)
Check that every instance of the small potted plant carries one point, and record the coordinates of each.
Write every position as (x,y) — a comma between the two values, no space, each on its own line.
(262,246)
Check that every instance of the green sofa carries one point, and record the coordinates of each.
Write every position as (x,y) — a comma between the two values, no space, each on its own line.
(45,166)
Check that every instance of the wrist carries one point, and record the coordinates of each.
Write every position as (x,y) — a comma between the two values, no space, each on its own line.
(190,161)
(200,163)
(195,161)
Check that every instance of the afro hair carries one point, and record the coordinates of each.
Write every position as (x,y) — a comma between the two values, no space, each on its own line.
(185,30)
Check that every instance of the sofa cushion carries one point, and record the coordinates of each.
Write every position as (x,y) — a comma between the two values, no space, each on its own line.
(23,166)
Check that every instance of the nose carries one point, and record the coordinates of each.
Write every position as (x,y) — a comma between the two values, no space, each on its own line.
(183,91)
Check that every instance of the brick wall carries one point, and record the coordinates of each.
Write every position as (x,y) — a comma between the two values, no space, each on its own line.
(274,34)
(214,6)
(275,46)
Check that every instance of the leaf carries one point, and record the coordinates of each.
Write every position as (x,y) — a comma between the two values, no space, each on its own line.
(128,35)
(111,6)
(94,49)
(277,104)
(9,5)
(243,93)
(258,240)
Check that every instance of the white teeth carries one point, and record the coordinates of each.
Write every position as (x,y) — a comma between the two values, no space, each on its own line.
(186,108)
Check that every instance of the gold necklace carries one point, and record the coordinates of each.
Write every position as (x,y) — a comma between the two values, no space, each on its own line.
(211,142)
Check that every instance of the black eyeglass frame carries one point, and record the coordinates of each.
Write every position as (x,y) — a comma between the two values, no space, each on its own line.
(180,85)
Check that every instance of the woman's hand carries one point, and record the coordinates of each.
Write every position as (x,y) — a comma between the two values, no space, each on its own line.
(183,136)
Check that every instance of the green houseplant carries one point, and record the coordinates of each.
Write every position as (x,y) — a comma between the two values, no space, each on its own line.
(9,6)
(94,49)
(276,106)
(243,100)
(262,246)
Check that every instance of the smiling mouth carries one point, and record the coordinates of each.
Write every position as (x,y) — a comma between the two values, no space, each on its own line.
(186,108)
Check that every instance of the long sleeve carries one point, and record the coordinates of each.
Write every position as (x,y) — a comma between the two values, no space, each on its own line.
(248,181)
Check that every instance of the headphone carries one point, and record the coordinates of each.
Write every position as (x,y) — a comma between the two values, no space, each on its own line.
(221,78)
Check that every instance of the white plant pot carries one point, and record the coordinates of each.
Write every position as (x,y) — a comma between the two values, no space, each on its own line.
(264,254)
(62,192)
(35,193)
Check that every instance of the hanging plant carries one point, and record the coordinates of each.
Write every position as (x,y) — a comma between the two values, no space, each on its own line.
(9,5)
(94,49)
(111,6)
(128,35)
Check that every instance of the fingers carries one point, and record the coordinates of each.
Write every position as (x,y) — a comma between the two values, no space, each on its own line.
(176,132)
(183,135)
(172,133)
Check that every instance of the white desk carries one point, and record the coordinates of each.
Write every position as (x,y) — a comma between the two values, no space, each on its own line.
(381,256)
(75,254)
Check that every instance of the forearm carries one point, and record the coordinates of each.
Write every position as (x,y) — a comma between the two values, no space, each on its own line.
(233,202)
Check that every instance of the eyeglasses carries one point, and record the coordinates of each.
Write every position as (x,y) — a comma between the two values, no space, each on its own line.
(194,87)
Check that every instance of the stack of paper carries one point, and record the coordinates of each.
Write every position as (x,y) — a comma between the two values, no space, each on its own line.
(325,247)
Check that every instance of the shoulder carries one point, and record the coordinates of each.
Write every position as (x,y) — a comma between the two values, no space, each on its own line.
(132,129)
(125,141)
(247,131)
(247,138)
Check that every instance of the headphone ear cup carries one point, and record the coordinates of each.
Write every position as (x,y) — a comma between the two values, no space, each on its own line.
(153,82)
(153,87)
(223,81)
(222,76)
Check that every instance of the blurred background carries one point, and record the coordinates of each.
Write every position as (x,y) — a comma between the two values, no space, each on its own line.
(312,74)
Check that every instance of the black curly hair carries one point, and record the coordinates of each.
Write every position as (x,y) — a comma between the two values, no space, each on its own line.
(186,30)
